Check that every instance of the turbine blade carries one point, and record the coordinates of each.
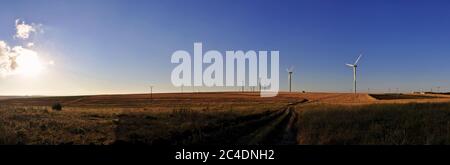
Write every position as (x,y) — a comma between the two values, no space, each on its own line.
(356,62)
(350,65)
(290,69)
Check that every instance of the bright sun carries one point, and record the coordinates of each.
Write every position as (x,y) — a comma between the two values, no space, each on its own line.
(29,64)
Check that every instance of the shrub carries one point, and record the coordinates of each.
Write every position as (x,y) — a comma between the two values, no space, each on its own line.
(57,107)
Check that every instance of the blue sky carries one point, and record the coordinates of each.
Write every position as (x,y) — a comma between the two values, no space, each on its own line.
(112,46)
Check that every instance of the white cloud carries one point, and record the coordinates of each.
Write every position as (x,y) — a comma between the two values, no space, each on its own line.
(24,30)
(17,60)
(30,45)
(20,59)
(7,59)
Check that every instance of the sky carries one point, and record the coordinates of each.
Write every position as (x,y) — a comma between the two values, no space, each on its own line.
(118,46)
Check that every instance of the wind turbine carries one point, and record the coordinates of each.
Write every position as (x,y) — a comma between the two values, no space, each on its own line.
(151,92)
(354,66)
(290,71)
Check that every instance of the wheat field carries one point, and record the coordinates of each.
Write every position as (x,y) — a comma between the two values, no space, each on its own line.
(226,118)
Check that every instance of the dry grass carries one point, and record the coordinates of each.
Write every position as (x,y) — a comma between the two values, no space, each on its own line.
(224,118)
(41,125)
(108,120)
(392,124)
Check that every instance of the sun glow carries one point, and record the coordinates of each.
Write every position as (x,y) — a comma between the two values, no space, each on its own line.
(29,64)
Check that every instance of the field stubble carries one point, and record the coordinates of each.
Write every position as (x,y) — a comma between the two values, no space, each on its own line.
(225,118)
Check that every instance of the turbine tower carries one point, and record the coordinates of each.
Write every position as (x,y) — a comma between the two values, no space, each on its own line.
(354,66)
(290,71)
(151,92)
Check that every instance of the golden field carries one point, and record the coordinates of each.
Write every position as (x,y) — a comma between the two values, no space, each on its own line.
(227,118)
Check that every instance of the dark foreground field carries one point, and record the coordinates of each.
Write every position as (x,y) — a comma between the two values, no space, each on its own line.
(391,124)
(400,96)
(223,118)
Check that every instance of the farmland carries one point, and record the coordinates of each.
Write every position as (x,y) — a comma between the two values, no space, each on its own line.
(226,118)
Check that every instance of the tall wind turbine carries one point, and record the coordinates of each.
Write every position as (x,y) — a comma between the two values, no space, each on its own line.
(290,71)
(151,92)
(354,66)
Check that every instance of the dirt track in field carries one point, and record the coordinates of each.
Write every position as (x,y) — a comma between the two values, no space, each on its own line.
(265,126)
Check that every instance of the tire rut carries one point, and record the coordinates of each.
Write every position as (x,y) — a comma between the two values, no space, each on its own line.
(276,127)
